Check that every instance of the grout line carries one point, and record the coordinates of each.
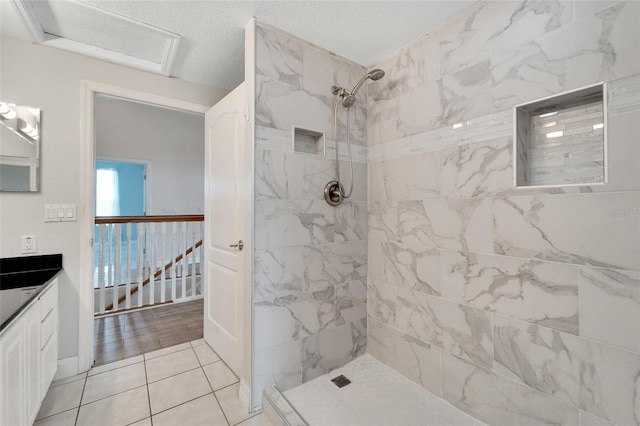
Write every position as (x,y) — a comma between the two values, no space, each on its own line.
(117,393)
(146,380)
(81,396)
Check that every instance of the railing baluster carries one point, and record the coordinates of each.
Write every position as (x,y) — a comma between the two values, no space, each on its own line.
(163,273)
(110,256)
(128,272)
(174,267)
(142,229)
(193,260)
(152,262)
(184,258)
(101,266)
(117,264)
(200,257)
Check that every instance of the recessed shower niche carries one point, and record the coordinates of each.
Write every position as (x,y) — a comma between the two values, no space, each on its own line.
(561,140)
(308,141)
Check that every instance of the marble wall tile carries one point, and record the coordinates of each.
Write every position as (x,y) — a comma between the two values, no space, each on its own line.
(360,183)
(458,329)
(587,419)
(544,293)
(326,265)
(421,109)
(416,360)
(595,48)
(351,301)
(282,106)
(316,173)
(382,123)
(277,272)
(278,366)
(278,175)
(610,307)
(597,378)
(383,220)
(318,219)
(407,178)
(290,318)
(278,224)
(459,224)
(499,401)
(278,56)
(381,301)
(585,229)
(411,266)
(477,170)
(330,349)
(351,220)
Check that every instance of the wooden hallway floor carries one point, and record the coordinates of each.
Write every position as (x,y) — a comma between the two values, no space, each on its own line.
(134,333)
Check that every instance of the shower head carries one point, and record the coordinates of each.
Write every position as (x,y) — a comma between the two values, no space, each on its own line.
(349,99)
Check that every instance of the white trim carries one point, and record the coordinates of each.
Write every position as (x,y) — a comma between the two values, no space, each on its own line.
(244,395)
(86,211)
(30,20)
(66,368)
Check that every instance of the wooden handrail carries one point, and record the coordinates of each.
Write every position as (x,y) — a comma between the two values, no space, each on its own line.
(155,275)
(159,218)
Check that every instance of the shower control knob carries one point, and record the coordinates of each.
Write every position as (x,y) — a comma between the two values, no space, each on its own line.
(334,193)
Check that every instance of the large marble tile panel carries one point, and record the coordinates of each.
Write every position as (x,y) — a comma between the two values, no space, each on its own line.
(278,56)
(278,224)
(316,173)
(330,349)
(280,366)
(587,419)
(464,94)
(383,220)
(408,178)
(610,307)
(282,106)
(351,222)
(277,273)
(351,302)
(421,109)
(463,331)
(585,229)
(477,170)
(408,69)
(623,154)
(360,183)
(412,266)
(326,265)
(413,358)
(460,224)
(381,301)
(544,293)
(382,122)
(318,220)
(600,379)
(499,401)
(278,175)
(290,318)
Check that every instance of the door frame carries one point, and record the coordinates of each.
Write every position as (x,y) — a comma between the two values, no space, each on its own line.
(147,172)
(86,212)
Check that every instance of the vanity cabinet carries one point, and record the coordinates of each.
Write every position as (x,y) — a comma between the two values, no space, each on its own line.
(28,359)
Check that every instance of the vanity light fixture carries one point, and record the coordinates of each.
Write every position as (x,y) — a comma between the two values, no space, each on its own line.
(28,130)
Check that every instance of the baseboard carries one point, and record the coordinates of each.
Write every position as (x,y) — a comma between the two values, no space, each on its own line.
(66,368)
(244,395)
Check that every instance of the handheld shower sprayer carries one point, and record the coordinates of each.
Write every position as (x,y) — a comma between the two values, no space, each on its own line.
(334,192)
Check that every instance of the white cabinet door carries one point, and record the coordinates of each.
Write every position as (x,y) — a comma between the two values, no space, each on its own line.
(13,368)
(33,391)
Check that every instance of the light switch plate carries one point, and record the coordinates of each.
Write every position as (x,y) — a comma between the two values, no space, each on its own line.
(60,213)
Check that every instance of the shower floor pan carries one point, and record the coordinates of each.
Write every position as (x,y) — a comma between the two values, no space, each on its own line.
(377,395)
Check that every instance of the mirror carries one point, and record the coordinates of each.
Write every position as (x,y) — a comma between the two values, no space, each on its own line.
(19,148)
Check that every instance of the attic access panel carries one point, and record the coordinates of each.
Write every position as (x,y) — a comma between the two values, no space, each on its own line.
(561,140)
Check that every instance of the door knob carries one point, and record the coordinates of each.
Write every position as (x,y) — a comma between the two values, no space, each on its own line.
(239,246)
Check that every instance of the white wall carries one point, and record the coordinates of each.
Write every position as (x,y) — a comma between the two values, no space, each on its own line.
(172,141)
(51,80)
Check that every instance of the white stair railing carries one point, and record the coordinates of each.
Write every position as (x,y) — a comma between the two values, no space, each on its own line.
(147,260)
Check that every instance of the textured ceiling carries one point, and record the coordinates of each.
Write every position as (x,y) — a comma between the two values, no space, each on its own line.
(212,47)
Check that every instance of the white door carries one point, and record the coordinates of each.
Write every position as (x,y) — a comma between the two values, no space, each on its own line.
(224,228)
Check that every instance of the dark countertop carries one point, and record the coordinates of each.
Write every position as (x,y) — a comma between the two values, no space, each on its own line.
(30,273)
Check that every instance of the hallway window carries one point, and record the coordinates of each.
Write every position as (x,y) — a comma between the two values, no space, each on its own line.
(107,193)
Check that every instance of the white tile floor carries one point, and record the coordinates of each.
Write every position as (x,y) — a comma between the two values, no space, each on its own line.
(184,385)
(377,395)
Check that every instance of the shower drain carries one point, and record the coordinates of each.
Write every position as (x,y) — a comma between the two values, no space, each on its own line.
(341,381)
